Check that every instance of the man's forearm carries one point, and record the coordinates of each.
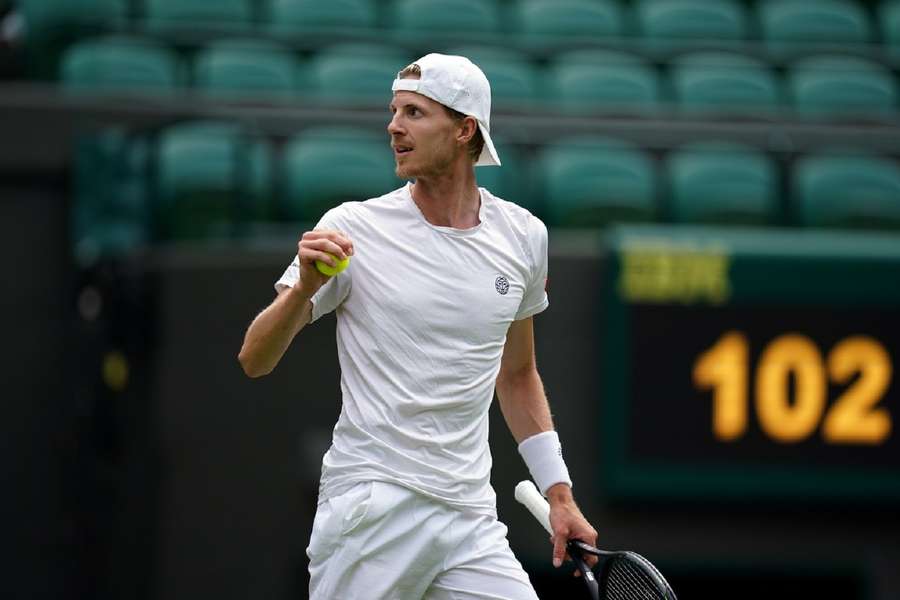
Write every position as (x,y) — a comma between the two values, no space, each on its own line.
(524,403)
(272,331)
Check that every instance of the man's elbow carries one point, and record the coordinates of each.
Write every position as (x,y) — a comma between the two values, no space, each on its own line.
(251,368)
(518,375)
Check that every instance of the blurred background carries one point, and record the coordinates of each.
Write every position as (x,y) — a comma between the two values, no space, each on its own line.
(721,183)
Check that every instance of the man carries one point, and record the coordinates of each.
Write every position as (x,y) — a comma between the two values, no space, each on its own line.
(433,313)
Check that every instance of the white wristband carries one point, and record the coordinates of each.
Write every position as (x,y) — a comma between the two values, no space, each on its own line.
(543,455)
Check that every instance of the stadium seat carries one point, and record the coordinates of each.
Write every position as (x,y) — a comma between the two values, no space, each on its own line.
(590,181)
(246,68)
(721,183)
(119,63)
(514,83)
(671,22)
(191,16)
(723,82)
(514,179)
(791,24)
(291,17)
(457,18)
(479,53)
(602,80)
(110,211)
(842,86)
(355,73)
(326,165)
(853,191)
(546,25)
(889,18)
(52,26)
(211,177)
(45,16)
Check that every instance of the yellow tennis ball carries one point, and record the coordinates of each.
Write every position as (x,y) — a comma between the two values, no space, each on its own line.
(326,269)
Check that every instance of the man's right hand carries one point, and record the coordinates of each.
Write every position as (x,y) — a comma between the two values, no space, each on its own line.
(319,244)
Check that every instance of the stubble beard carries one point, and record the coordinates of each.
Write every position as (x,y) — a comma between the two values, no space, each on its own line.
(437,165)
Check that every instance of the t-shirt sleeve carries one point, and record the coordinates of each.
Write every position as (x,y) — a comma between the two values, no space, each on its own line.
(335,290)
(535,298)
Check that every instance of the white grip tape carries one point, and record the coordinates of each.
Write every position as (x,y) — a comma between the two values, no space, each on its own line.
(528,495)
(542,453)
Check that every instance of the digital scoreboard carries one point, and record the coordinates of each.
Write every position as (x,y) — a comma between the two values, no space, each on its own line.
(751,363)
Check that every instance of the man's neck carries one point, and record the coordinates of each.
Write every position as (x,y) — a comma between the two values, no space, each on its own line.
(450,199)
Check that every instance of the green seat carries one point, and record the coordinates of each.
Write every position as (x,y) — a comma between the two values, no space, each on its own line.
(456,18)
(110,210)
(547,25)
(602,80)
(842,86)
(723,82)
(889,18)
(669,22)
(52,26)
(245,68)
(119,63)
(590,182)
(479,53)
(514,179)
(327,165)
(192,16)
(289,17)
(355,73)
(514,83)
(211,178)
(789,24)
(46,15)
(722,183)
(853,191)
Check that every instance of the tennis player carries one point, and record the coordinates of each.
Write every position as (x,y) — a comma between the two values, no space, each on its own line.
(433,313)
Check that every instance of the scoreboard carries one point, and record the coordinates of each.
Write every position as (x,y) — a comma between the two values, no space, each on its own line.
(750,363)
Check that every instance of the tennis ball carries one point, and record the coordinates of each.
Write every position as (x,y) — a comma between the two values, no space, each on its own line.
(326,269)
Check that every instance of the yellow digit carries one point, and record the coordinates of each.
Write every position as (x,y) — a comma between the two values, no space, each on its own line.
(852,419)
(724,369)
(783,420)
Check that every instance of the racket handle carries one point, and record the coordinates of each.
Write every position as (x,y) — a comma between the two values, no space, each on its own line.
(528,494)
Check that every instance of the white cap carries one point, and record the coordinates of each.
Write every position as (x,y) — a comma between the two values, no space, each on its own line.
(457,83)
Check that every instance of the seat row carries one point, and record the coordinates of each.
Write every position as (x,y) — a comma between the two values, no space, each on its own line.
(833,21)
(202,180)
(580,80)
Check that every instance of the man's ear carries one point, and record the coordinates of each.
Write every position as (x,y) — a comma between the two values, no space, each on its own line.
(467,129)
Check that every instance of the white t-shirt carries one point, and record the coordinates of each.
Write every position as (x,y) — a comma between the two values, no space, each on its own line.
(422,316)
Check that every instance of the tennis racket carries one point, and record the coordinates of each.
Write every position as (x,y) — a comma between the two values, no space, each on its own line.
(620,575)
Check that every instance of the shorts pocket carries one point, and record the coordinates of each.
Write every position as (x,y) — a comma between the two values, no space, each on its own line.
(323,538)
(356,503)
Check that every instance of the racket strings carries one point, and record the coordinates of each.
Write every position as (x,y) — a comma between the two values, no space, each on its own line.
(627,580)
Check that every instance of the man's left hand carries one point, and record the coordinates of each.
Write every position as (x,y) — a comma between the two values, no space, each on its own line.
(568,523)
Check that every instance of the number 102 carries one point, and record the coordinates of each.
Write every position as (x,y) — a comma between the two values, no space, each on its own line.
(854,418)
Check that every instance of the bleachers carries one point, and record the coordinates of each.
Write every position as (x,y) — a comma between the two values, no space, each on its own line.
(724,82)
(598,80)
(817,63)
(247,68)
(722,183)
(840,189)
(591,182)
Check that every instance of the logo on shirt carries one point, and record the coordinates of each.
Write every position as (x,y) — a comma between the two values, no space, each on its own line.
(501,284)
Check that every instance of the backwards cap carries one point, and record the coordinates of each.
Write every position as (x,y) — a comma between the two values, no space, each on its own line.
(457,83)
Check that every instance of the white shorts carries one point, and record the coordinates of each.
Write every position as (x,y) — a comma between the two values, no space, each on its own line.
(380,541)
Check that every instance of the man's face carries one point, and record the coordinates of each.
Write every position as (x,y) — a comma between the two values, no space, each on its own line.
(423,136)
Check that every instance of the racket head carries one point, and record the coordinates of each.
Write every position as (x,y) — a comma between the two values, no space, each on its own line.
(628,576)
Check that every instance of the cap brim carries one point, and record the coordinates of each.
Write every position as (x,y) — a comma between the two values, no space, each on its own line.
(488,156)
